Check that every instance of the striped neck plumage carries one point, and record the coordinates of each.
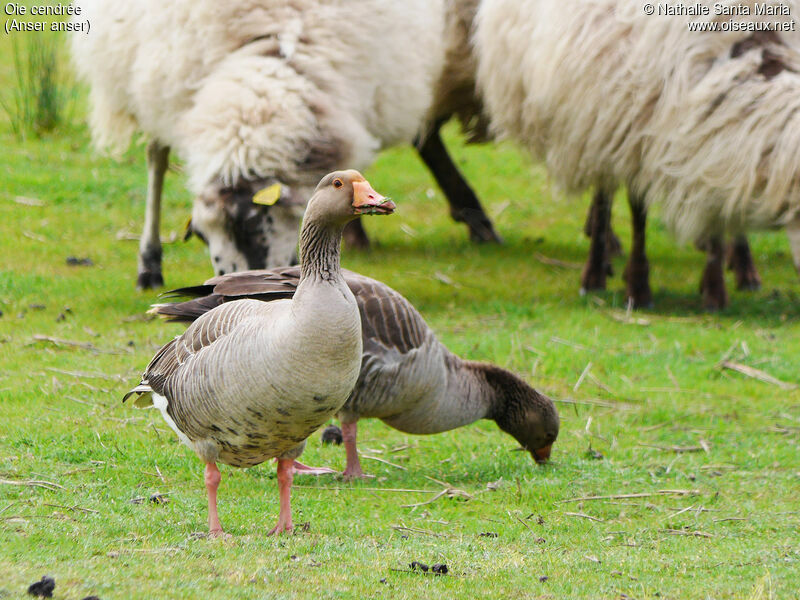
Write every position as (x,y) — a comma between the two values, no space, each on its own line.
(320,250)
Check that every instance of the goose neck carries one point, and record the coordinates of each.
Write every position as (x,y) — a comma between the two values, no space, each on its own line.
(320,250)
(483,382)
(468,386)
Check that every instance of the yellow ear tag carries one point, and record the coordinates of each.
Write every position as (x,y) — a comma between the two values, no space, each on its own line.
(268,196)
(187,229)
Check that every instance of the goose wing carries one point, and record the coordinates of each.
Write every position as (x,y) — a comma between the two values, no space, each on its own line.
(390,323)
(265,285)
(402,361)
(162,373)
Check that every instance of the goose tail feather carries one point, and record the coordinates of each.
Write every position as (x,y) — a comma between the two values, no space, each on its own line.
(143,393)
(186,311)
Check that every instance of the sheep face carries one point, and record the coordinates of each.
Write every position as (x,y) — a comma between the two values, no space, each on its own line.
(242,234)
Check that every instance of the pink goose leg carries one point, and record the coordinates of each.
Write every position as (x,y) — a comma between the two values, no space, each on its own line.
(285,475)
(213,477)
(353,468)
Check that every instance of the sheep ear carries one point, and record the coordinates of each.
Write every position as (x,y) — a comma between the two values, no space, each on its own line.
(268,196)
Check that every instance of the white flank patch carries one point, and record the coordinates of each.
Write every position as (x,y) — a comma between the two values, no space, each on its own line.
(160,402)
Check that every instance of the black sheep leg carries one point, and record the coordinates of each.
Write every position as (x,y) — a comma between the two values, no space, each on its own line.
(740,261)
(637,271)
(149,269)
(464,204)
(712,285)
(598,264)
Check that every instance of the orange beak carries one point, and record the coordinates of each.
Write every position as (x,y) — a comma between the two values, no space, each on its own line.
(542,454)
(367,201)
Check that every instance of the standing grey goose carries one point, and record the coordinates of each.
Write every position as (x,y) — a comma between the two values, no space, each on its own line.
(408,378)
(249,381)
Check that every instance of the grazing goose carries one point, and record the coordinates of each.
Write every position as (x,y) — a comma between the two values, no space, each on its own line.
(249,381)
(408,378)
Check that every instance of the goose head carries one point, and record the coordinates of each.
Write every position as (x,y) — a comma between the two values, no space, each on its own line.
(522,412)
(342,196)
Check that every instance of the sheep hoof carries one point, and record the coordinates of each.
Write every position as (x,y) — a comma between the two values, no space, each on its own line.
(712,284)
(749,284)
(714,302)
(747,279)
(481,230)
(483,233)
(715,297)
(713,305)
(148,280)
(740,261)
(593,278)
(642,299)
(637,278)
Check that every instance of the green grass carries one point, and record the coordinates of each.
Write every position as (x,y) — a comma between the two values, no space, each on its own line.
(653,386)
(41,95)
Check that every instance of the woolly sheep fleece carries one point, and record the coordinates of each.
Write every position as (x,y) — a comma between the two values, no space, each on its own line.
(256,89)
(606,95)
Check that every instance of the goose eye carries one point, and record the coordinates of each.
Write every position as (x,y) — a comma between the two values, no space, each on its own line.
(337,183)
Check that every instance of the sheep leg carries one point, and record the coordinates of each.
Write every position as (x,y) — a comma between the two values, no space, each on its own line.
(597,265)
(712,285)
(637,271)
(613,245)
(353,468)
(740,261)
(212,478)
(793,232)
(355,238)
(464,204)
(285,477)
(150,243)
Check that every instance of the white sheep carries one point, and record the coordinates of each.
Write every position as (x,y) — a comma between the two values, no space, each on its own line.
(256,92)
(705,124)
(252,93)
(455,94)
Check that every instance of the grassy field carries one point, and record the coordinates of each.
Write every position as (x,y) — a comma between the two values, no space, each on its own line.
(672,477)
